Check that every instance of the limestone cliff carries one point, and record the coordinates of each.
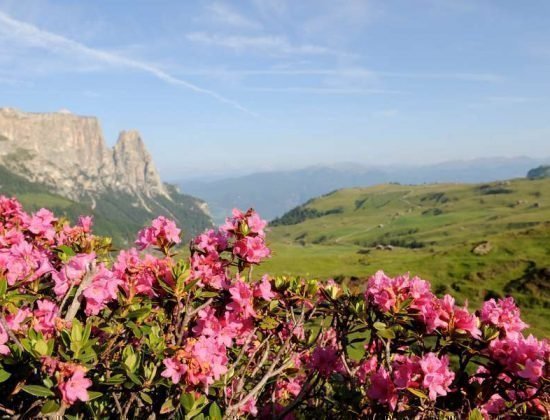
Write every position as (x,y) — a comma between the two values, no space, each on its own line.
(69,154)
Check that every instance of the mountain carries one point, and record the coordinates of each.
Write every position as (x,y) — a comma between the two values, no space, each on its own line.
(62,159)
(274,193)
(542,171)
(471,240)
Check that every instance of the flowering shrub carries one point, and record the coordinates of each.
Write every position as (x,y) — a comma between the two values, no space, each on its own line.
(149,333)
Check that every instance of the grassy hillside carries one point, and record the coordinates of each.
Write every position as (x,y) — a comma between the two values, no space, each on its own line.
(115,214)
(429,230)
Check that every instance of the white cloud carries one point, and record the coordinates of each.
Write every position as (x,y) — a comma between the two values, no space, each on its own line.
(30,36)
(350,72)
(275,45)
(324,90)
(222,13)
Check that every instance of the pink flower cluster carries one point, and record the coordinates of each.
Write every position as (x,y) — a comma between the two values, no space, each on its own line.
(162,233)
(71,379)
(503,314)
(390,294)
(247,229)
(429,372)
(201,362)
(242,236)
(525,357)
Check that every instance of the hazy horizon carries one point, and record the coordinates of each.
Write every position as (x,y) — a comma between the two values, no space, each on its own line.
(261,85)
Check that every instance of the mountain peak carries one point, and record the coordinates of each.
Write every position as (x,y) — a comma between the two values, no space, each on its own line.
(68,153)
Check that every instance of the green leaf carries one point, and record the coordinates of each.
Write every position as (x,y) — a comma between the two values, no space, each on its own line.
(92,395)
(76,331)
(167,407)
(3,287)
(41,347)
(389,334)
(139,313)
(214,412)
(38,391)
(475,415)
(115,379)
(66,250)
(4,376)
(379,325)
(417,393)
(87,332)
(146,397)
(188,401)
(51,406)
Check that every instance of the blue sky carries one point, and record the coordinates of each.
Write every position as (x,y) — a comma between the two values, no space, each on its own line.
(216,87)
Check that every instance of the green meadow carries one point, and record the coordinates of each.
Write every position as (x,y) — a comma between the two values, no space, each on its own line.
(473,241)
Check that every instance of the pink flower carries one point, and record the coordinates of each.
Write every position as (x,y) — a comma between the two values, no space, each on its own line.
(102,290)
(525,357)
(241,300)
(11,212)
(201,362)
(175,370)
(256,224)
(493,407)
(389,293)
(382,389)
(326,361)
(366,368)
(4,338)
(72,273)
(211,241)
(406,372)
(503,314)
(45,316)
(457,317)
(223,330)
(251,249)
(140,276)
(437,376)
(263,289)
(210,269)
(162,232)
(23,263)
(288,387)
(14,321)
(249,408)
(75,387)
(41,223)
(86,222)
(231,224)
(243,224)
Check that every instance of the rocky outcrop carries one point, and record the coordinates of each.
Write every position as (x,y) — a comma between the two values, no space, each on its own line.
(68,153)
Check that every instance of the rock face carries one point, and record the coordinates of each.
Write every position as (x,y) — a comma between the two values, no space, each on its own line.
(68,154)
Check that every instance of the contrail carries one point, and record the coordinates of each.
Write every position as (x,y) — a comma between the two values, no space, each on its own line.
(36,37)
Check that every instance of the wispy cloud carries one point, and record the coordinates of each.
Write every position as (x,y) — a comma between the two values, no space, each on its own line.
(222,13)
(350,72)
(273,45)
(34,37)
(325,90)
(505,100)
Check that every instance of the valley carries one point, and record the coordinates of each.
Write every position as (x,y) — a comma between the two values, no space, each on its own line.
(472,240)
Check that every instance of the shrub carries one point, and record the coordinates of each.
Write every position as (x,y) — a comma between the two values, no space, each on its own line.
(150,333)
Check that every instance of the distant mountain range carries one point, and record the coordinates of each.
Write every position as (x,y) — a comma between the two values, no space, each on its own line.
(61,161)
(274,193)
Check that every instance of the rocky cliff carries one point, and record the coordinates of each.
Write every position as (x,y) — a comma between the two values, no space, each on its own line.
(68,156)
(68,153)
